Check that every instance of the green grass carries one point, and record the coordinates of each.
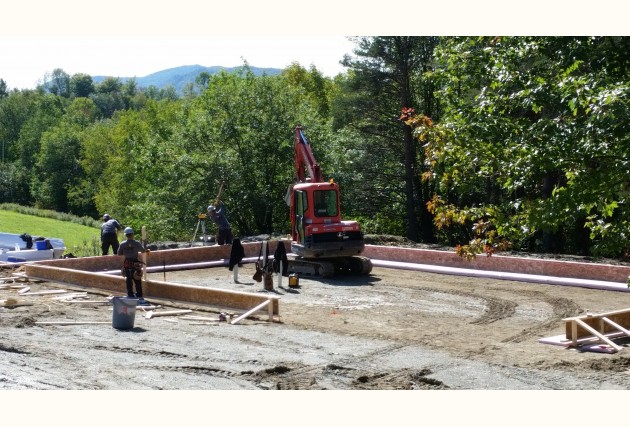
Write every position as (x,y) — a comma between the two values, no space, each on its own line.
(81,240)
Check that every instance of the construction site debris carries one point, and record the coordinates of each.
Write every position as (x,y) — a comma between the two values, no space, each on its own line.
(50,292)
(154,313)
(77,322)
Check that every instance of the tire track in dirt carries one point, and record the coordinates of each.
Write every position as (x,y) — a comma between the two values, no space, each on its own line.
(294,376)
(333,376)
(496,308)
(561,309)
(500,308)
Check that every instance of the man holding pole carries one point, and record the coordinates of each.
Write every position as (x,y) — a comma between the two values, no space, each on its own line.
(218,216)
(217,213)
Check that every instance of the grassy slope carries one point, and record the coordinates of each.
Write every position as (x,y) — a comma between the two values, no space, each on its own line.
(79,239)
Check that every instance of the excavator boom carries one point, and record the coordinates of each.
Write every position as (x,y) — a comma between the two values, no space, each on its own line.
(305,163)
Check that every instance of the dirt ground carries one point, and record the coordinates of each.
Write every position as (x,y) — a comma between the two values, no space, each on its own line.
(391,330)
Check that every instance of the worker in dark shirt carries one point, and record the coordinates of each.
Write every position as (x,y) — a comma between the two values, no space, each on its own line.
(218,216)
(109,234)
(132,266)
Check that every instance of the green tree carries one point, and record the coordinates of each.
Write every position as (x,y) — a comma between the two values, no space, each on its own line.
(57,168)
(81,85)
(57,83)
(536,140)
(14,184)
(385,75)
(4,91)
(46,112)
(164,165)
(319,90)
(15,111)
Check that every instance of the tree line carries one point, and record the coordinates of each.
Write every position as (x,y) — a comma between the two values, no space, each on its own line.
(484,143)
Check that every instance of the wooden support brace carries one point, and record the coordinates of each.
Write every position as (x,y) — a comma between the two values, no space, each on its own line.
(598,335)
(616,326)
(250,312)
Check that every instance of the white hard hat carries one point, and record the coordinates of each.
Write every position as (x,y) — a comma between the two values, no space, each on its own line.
(128,231)
(211,208)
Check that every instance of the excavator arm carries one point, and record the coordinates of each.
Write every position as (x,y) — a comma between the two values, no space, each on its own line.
(305,164)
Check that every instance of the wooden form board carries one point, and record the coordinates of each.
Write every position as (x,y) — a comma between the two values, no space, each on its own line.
(158,289)
(599,325)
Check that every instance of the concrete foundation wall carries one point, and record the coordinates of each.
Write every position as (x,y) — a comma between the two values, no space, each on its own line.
(591,271)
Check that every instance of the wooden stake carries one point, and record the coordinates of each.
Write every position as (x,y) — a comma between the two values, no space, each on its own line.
(144,254)
(280,275)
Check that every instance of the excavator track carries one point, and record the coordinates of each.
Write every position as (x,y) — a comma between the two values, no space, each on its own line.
(330,267)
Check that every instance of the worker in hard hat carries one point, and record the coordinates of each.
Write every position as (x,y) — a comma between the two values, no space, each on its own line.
(132,266)
(218,216)
(109,234)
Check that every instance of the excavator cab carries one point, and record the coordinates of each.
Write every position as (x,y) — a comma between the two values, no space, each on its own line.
(318,230)
(313,203)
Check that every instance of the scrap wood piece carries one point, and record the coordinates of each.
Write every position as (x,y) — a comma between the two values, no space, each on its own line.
(253,310)
(51,292)
(12,302)
(597,334)
(203,323)
(71,323)
(200,318)
(69,296)
(153,313)
(148,307)
(24,290)
(85,301)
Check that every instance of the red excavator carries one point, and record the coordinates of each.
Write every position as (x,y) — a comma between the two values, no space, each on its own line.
(322,243)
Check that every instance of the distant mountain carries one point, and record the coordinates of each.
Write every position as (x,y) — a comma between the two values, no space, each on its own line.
(179,77)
